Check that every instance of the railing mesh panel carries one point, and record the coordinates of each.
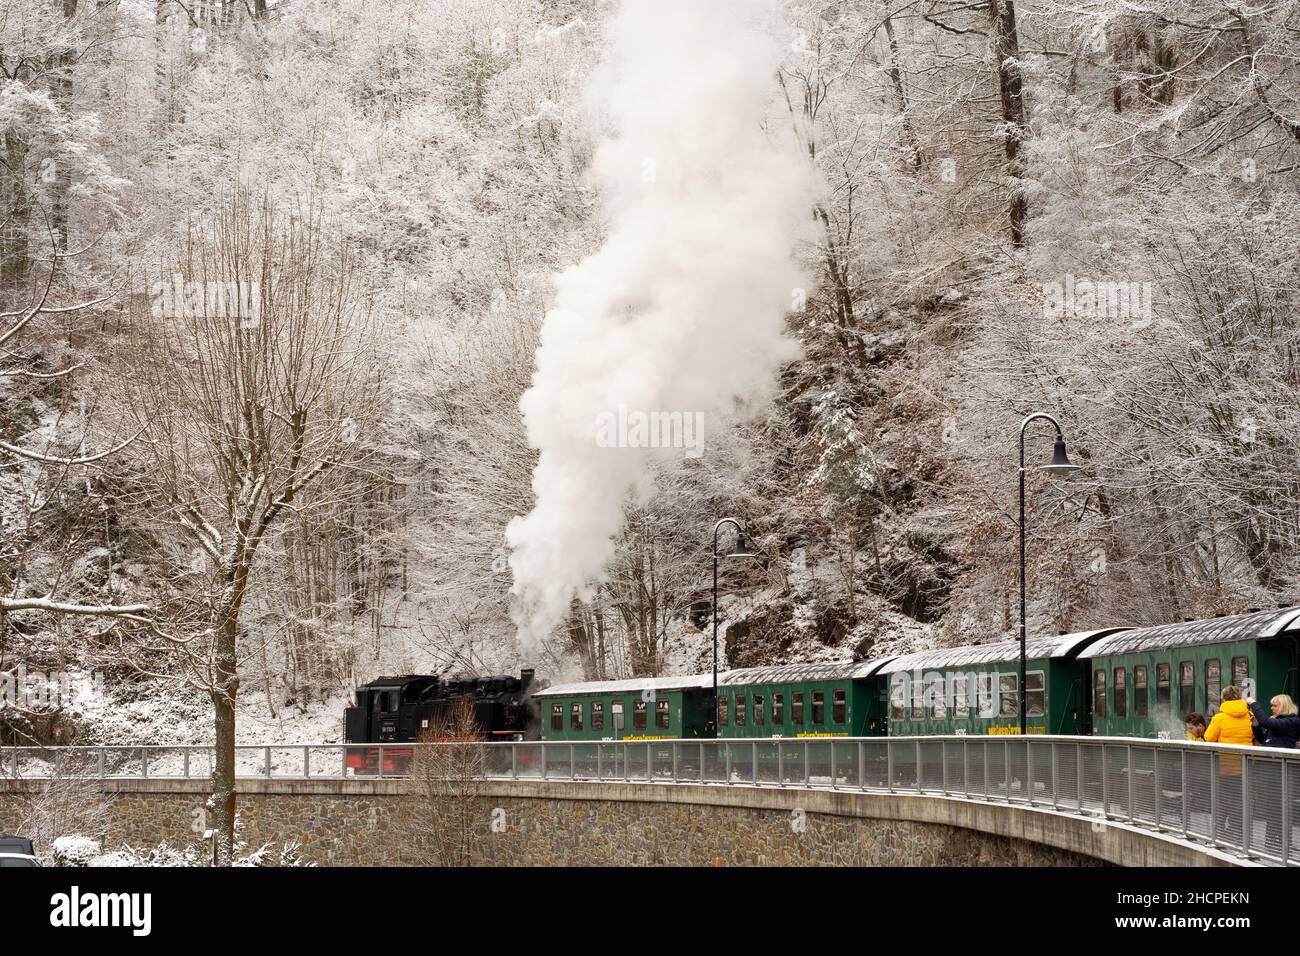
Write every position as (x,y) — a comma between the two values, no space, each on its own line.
(1227,799)
(1265,810)
(715,763)
(1144,785)
(954,767)
(661,761)
(976,766)
(844,761)
(905,770)
(1169,787)
(1040,767)
(819,763)
(932,765)
(769,770)
(995,759)
(1291,808)
(1200,774)
(742,762)
(1018,765)
(1117,781)
(1067,777)
(585,757)
(792,763)
(875,774)
(1094,784)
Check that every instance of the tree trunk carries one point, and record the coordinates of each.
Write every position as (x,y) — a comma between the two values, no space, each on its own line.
(224,692)
(896,78)
(16,212)
(223,778)
(63,170)
(1006,49)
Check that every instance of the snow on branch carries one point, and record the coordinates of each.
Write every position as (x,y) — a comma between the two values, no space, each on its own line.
(47,603)
(55,460)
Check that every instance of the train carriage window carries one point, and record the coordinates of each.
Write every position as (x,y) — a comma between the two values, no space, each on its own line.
(819,707)
(1035,695)
(1008,705)
(897,698)
(1162,690)
(638,714)
(740,710)
(557,717)
(723,710)
(662,713)
(839,707)
(918,703)
(597,715)
(758,710)
(796,708)
(1099,692)
(1186,687)
(984,695)
(1213,684)
(778,709)
(937,705)
(960,708)
(616,714)
(1119,693)
(1140,695)
(575,715)
(1240,671)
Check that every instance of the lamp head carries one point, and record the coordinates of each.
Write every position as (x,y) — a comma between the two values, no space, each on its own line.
(1060,466)
(742,549)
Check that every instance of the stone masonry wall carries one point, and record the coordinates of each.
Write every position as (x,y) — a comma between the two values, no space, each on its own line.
(382,823)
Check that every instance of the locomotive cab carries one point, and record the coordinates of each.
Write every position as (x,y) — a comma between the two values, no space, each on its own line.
(406,709)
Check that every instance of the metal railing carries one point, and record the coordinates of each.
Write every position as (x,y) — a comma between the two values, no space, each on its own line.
(1244,800)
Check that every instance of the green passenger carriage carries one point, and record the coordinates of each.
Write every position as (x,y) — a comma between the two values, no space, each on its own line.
(800,700)
(1144,681)
(650,708)
(975,690)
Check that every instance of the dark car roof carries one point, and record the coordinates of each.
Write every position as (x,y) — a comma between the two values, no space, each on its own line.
(16,844)
(1252,626)
(1063,646)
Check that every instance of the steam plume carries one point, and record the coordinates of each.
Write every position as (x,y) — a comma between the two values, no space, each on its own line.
(682,308)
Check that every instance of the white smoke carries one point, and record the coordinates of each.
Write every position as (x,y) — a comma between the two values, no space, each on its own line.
(682,308)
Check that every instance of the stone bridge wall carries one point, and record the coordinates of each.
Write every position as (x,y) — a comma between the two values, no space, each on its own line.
(514,823)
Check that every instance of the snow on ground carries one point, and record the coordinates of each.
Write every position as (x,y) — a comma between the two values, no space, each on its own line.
(322,724)
(146,715)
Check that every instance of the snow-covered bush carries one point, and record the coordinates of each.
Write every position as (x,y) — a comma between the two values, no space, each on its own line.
(74,850)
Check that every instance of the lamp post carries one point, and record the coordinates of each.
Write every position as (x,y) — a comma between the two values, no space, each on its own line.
(742,551)
(1060,465)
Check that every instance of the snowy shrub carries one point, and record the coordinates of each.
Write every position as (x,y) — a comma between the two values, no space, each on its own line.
(74,850)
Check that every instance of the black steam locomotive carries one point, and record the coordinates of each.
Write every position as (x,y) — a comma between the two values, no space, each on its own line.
(414,708)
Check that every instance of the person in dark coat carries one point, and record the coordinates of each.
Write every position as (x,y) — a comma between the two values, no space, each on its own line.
(1282,727)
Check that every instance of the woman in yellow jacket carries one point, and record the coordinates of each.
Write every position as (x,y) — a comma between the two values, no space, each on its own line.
(1231,725)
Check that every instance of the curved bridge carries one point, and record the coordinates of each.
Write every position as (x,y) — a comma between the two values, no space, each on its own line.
(950,800)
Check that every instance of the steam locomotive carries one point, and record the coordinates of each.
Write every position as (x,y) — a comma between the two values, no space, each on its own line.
(413,708)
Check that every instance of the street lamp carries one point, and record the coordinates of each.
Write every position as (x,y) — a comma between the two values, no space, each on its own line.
(1059,466)
(742,550)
